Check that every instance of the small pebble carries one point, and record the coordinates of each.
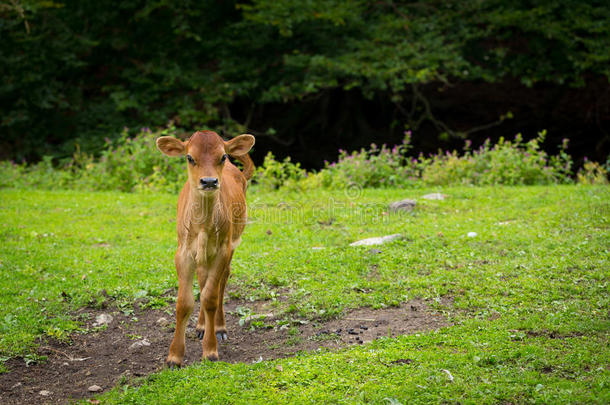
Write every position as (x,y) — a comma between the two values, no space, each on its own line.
(140,343)
(45,393)
(103,319)
(94,388)
(472,234)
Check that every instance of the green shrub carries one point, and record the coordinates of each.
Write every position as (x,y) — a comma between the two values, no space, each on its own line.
(509,163)
(373,168)
(592,173)
(130,164)
(274,174)
(135,164)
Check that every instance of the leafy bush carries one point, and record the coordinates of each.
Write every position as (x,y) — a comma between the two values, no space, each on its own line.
(376,167)
(593,173)
(510,163)
(135,164)
(274,174)
(130,164)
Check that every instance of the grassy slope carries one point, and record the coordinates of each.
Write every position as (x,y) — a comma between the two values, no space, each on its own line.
(530,292)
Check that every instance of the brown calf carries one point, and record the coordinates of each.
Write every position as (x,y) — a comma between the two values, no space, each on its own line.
(211,218)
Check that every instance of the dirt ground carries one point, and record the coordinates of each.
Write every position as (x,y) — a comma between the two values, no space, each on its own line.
(108,357)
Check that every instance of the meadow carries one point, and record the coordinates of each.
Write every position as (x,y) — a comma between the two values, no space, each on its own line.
(526,297)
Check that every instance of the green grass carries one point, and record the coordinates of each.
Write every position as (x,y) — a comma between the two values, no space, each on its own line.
(528,296)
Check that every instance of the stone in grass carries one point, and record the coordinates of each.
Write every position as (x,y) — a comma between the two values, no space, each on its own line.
(403,205)
(376,241)
(94,388)
(103,319)
(434,196)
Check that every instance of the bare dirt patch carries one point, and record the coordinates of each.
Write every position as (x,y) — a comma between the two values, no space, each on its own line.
(130,348)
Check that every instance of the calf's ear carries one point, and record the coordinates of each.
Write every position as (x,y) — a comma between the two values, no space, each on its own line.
(171,146)
(240,145)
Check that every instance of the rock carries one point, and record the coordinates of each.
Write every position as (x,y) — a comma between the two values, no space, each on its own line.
(472,234)
(403,205)
(103,319)
(163,322)
(376,241)
(94,388)
(434,196)
(139,343)
(45,393)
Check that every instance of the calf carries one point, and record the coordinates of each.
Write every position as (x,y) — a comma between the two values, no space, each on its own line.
(211,219)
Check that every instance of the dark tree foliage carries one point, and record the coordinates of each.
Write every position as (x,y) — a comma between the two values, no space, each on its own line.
(81,70)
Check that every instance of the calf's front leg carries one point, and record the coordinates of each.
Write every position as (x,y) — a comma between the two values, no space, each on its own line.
(184,307)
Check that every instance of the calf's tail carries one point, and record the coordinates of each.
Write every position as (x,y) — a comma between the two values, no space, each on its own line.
(248,165)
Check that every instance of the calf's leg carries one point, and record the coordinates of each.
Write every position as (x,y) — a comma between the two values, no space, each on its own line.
(209,305)
(221,327)
(184,307)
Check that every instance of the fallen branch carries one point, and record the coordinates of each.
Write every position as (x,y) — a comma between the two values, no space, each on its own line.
(65,354)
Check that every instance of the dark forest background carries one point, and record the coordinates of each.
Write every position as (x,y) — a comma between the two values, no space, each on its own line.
(305,77)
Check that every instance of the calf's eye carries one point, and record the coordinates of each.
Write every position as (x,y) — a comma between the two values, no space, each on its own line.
(190,159)
(223,158)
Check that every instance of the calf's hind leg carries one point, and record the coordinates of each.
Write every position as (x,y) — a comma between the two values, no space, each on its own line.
(221,327)
(209,306)
(219,319)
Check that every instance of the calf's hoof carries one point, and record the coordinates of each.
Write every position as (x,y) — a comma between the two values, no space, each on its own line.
(221,336)
(171,364)
(211,356)
(200,333)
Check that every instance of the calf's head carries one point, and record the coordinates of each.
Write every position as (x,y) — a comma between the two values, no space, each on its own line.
(206,154)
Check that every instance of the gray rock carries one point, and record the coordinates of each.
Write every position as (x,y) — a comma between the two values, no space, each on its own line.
(94,388)
(162,322)
(434,196)
(403,205)
(45,393)
(139,343)
(103,319)
(376,241)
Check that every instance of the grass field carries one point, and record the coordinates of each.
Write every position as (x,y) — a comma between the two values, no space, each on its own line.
(528,296)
